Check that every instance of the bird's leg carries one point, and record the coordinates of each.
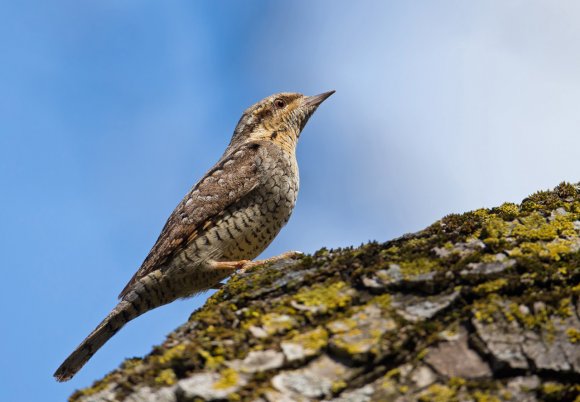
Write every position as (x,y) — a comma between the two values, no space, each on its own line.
(243,265)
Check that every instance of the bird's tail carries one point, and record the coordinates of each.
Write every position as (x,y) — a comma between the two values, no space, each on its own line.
(124,312)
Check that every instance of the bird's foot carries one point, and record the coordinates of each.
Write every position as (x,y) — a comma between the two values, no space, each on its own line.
(243,265)
(294,255)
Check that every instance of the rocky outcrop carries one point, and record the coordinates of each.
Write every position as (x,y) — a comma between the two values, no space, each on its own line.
(482,306)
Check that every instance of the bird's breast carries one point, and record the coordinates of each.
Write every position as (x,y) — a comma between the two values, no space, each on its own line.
(248,226)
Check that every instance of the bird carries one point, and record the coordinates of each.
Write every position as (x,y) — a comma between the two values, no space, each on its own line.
(225,221)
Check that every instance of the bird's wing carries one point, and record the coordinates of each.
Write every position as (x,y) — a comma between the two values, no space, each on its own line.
(233,177)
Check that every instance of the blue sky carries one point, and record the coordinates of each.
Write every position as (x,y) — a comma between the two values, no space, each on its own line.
(111,110)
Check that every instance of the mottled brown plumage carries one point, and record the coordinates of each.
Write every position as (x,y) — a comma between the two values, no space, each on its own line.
(228,218)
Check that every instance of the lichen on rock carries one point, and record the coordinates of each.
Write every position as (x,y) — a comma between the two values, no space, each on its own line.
(480,306)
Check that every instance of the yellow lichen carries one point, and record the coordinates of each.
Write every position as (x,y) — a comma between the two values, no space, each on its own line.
(457,382)
(565,308)
(437,393)
(313,340)
(325,297)
(490,286)
(481,396)
(494,229)
(170,354)
(228,378)
(274,323)
(550,388)
(535,227)
(553,250)
(338,386)
(166,377)
(573,335)
(211,362)
(508,211)
(418,266)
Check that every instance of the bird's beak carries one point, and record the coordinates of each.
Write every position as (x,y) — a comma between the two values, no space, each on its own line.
(314,101)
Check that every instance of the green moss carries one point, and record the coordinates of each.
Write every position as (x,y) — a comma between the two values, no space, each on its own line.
(418,266)
(535,227)
(494,231)
(566,190)
(552,251)
(542,200)
(507,211)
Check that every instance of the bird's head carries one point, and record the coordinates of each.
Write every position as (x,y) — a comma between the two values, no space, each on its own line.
(279,118)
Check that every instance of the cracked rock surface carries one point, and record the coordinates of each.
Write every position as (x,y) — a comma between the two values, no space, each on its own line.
(482,306)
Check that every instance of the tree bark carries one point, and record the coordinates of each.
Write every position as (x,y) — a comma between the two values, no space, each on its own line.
(481,306)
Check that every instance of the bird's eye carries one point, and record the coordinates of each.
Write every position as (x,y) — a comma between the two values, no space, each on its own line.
(279,103)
